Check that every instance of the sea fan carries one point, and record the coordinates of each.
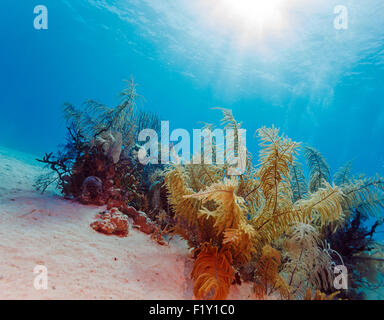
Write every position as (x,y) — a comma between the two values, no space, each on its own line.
(213,273)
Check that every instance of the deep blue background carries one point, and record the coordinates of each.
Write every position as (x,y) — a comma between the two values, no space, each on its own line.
(330,98)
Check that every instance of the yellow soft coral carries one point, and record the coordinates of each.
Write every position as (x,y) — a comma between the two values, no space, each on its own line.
(241,215)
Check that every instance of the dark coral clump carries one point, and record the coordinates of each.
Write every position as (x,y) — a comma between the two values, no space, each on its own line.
(355,244)
(97,165)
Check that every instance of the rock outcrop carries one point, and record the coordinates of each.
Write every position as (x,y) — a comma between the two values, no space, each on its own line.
(112,222)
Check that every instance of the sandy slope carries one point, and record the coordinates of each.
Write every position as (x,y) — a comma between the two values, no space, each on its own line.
(82,264)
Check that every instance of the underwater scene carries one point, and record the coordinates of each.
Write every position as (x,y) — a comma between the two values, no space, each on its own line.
(192,150)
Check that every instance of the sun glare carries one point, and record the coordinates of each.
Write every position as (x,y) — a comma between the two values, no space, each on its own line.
(258,14)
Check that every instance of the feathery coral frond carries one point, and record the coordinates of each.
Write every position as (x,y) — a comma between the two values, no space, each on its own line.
(229,120)
(188,224)
(276,155)
(235,143)
(324,205)
(308,264)
(267,278)
(249,189)
(318,169)
(232,236)
(213,273)
(365,195)
(199,176)
(297,180)
(343,175)
(229,213)
(242,215)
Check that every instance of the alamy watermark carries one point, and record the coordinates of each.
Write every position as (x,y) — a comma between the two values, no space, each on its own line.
(220,146)
(341,20)
(341,279)
(41,279)
(40,21)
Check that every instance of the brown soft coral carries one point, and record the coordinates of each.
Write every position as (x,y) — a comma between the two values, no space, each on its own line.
(112,222)
(140,219)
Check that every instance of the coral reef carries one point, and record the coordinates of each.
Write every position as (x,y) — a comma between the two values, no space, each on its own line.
(270,207)
(270,225)
(112,222)
(140,219)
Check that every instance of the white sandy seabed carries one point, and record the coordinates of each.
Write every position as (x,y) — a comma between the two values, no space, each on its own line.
(47,230)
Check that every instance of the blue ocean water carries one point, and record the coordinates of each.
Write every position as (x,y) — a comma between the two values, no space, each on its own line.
(320,85)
